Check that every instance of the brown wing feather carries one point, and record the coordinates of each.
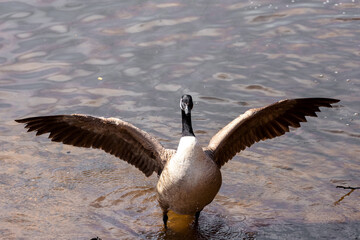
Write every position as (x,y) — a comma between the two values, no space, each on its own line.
(261,124)
(112,135)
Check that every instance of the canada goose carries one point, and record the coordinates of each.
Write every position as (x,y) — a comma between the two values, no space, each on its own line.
(189,177)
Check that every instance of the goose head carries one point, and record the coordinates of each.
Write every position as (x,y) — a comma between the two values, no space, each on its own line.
(186,104)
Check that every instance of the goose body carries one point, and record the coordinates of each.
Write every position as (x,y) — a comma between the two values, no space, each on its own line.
(189,177)
(190,180)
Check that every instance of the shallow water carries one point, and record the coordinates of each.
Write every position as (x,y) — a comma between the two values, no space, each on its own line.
(133,60)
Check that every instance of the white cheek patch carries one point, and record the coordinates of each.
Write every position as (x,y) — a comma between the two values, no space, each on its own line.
(186,110)
(184,107)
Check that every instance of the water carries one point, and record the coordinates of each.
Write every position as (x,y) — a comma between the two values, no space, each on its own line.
(133,60)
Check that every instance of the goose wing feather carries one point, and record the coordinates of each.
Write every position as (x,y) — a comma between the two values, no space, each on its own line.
(112,135)
(261,124)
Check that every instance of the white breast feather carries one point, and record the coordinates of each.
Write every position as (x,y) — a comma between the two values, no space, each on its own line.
(184,161)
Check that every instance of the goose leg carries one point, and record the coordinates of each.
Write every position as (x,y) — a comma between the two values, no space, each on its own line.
(165,218)
(197,215)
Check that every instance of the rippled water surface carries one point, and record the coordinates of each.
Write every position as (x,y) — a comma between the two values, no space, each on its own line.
(133,60)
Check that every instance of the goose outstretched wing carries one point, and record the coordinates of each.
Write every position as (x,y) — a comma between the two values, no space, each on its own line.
(261,124)
(112,135)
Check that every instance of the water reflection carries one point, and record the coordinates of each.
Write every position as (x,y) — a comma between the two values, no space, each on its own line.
(230,56)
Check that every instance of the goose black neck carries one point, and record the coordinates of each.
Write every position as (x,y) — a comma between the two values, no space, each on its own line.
(186,124)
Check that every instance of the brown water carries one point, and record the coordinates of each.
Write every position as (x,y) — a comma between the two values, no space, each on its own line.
(133,60)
